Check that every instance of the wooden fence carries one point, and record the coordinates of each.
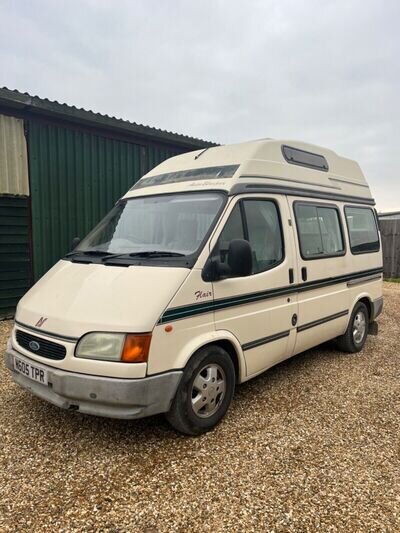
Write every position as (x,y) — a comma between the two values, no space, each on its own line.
(390,232)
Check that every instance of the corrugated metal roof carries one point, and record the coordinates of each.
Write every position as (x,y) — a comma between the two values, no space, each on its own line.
(13,157)
(25,102)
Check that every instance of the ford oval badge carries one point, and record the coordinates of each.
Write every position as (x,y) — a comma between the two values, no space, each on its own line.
(34,346)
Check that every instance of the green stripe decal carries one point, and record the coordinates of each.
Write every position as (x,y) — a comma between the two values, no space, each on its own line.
(321,321)
(185,311)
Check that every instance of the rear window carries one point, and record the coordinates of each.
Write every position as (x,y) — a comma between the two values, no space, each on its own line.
(363,230)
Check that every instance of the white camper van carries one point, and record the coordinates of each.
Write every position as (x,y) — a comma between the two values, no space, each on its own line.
(215,266)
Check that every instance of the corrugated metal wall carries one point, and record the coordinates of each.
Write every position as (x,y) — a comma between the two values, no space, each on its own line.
(76,177)
(15,263)
(13,157)
(390,234)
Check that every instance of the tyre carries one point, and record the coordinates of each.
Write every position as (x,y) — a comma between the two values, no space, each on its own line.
(204,393)
(356,334)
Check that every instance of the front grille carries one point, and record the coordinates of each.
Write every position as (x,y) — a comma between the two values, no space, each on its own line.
(48,349)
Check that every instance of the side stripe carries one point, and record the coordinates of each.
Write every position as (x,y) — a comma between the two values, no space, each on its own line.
(322,320)
(185,311)
(283,334)
(265,340)
(355,282)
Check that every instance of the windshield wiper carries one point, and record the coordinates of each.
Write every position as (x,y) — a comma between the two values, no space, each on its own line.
(145,253)
(156,253)
(88,252)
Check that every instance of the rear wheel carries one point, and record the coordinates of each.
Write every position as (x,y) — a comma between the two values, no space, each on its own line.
(357,331)
(205,392)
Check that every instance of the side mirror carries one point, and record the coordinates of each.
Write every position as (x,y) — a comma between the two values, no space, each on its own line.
(74,243)
(239,264)
(214,270)
(240,258)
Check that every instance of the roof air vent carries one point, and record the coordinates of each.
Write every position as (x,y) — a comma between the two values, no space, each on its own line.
(295,156)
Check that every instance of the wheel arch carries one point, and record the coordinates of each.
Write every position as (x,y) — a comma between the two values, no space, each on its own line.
(227,345)
(366,299)
(368,304)
(225,340)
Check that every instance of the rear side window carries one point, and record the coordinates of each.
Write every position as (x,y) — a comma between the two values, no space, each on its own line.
(319,230)
(363,231)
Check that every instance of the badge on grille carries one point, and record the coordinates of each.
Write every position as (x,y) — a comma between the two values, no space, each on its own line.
(34,346)
(41,321)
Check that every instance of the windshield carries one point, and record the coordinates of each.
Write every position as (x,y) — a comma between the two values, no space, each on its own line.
(169,223)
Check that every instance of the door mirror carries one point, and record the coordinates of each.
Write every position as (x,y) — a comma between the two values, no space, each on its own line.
(239,263)
(74,243)
(240,259)
(214,270)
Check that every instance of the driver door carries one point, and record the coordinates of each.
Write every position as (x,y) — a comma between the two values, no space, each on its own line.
(251,307)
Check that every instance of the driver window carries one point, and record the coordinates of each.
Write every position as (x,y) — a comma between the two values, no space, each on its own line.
(264,233)
(262,229)
(233,230)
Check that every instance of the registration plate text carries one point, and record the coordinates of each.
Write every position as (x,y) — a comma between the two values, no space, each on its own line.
(31,371)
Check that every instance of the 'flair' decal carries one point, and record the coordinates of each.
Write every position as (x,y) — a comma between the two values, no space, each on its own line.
(200,295)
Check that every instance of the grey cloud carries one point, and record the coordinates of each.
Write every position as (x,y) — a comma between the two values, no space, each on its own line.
(324,72)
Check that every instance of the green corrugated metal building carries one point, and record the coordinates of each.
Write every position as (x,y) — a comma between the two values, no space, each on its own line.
(61,170)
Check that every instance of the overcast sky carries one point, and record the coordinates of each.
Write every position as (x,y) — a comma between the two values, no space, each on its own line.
(326,72)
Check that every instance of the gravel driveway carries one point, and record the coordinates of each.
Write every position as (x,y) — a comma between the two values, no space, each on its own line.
(311,445)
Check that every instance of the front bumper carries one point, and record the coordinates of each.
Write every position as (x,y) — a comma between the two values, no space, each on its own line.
(100,396)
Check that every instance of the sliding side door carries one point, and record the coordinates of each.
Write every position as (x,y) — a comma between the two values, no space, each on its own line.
(323,298)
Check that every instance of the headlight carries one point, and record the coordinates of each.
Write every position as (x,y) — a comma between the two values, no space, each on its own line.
(127,348)
(104,346)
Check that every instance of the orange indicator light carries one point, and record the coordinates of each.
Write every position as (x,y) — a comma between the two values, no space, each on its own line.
(136,348)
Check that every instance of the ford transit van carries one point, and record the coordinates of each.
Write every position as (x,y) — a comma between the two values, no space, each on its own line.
(214,266)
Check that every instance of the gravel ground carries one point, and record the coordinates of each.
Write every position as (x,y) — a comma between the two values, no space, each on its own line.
(311,445)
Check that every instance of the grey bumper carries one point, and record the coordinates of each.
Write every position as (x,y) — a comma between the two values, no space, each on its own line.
(101,396)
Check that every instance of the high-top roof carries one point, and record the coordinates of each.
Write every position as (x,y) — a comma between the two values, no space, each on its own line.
(264,163)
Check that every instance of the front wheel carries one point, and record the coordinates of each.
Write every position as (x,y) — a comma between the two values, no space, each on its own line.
(204,393)
(356,333)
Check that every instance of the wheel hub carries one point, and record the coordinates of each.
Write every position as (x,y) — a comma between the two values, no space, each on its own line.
(359,327)
(208,390)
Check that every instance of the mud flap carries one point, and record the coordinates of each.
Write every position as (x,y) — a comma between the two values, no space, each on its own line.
(373,328)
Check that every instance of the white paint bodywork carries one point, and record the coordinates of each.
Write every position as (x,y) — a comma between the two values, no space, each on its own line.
(80,298)
(262,162)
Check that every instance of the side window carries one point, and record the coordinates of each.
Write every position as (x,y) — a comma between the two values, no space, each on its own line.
(264,233)
(363,232)
(233,230)
(332,240)
(308,229)
(261,228)
(319,231)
